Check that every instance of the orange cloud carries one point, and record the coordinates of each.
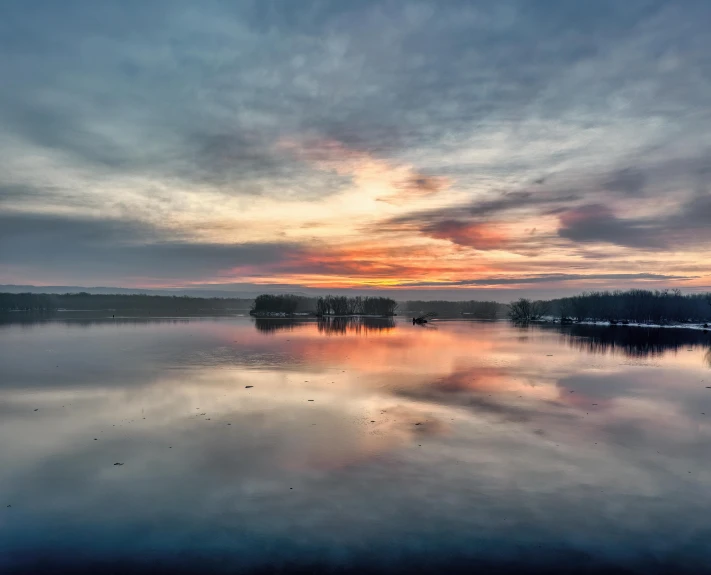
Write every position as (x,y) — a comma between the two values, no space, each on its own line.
(365,264)
(400,180)
(478,235)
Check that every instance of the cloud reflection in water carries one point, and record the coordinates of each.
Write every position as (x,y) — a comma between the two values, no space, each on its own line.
(373,447)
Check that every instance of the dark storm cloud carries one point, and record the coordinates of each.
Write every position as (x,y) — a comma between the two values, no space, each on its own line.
(110,249)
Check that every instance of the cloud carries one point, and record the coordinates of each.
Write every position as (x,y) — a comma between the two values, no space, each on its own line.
(498,207)
(117,250)
(595,223)
(166,103)
(471,234)
(475,113)
(695,214)
(422,184)
(398,181)
(371,262)
(628,180)
(552,278)
(482,224)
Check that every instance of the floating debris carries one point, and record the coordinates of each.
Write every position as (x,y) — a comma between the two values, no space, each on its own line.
(310,399)
(36,409)
(248,386)
(118,464)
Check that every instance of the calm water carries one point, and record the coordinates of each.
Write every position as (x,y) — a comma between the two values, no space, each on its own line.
(367,446)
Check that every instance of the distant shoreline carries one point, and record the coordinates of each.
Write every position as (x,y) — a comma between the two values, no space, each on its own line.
(633,308)
(121,315)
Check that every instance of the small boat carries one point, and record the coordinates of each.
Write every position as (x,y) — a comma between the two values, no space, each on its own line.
(423,319)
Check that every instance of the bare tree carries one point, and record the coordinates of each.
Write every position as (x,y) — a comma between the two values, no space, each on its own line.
(521,311)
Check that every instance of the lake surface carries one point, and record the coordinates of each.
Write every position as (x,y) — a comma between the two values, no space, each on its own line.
(254,445)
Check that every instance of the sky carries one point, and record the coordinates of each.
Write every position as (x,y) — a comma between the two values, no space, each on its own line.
(452,149)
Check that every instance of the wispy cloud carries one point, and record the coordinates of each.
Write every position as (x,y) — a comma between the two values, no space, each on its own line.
(488,139)
(684,228)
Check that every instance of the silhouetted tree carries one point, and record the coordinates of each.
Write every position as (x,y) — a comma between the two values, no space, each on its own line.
(342,305)
(636,305)
(521,311)
(524,310)
(287,304)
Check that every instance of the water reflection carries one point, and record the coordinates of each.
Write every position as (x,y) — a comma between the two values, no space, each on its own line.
(327,326)
(389,447)
(631,341)
(355,325)
(273,325)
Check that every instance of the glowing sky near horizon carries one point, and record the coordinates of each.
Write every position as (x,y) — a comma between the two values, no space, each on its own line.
(458,146)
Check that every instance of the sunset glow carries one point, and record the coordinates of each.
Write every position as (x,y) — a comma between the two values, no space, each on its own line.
(459,152)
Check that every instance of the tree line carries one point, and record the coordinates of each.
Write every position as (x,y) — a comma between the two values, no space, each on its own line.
(34,302)
(358,305)
(635,305)
(524,310)
(288,304)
